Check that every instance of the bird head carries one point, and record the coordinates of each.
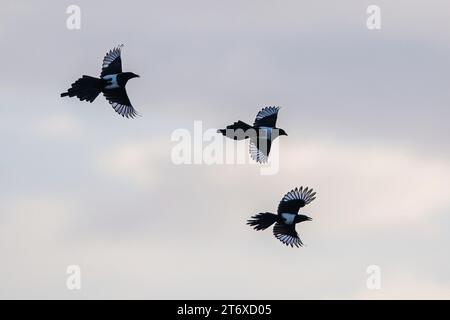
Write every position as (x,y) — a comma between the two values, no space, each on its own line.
(301,218)
(133,75)
(282,132)
(130,75)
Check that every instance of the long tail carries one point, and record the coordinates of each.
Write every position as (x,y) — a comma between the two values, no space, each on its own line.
(86,88)
(262,221)
(237,131)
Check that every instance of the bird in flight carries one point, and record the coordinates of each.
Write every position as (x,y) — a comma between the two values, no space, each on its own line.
(111,83)
(261,134)
(287,217)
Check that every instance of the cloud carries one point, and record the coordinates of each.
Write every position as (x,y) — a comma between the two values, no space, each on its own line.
(58,126)
(26,217)
(364,112)
(403,284)
(370,186)
(134,162)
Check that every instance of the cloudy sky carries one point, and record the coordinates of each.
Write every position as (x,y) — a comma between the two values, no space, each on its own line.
(367,117)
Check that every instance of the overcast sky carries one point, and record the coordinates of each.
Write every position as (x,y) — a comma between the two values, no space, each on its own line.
(367,116)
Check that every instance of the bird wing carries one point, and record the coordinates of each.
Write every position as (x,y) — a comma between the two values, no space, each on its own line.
(112,63)
(295,199)
(287,234)
(120,102)
(260,149)
(267,117)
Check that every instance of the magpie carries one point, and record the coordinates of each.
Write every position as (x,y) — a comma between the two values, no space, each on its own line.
(287,217)
(111,83)
(261,134)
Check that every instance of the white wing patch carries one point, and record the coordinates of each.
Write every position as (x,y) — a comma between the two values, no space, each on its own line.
(265,133)
(113,81)
(304,194)
(288,217)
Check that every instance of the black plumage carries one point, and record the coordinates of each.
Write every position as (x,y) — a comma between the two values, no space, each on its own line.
(261,134)
(287,216)
(111,83)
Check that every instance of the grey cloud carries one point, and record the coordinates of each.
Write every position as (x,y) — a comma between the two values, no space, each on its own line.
(130,223)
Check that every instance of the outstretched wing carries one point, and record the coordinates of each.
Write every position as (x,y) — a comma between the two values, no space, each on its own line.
(287,234)
(112,63)
(120,102)
(295,199)
(260,149)
(267,117)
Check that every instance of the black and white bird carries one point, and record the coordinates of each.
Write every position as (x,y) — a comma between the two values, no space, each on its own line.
(287,217)
(111,83)
(261,134)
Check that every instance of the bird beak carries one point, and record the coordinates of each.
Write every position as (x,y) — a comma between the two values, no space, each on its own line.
(308,219)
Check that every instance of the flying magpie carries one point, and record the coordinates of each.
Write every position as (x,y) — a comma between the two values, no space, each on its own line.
(287,217)
(261,134)
(111,83)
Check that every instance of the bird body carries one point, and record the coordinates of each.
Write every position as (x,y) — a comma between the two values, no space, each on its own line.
(111,83)
(287,217)
(266,133)
(261,134)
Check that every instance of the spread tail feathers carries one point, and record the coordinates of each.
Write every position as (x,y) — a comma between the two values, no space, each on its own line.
(262,221)
(86,88)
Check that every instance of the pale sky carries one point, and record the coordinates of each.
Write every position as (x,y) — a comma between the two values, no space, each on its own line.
(367,117)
